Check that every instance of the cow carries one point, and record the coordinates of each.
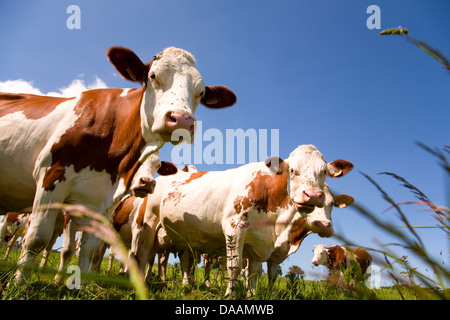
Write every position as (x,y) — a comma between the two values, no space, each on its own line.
(247,209)
(148,238)
(338,258)
(12,227)
(86,149)
(318,222)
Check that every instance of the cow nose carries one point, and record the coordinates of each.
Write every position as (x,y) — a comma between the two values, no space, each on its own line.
(323,228)
(146,185)
(313,197)
(180,120)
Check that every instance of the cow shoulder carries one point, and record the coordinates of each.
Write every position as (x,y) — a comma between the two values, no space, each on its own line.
(298,232)
(122,212)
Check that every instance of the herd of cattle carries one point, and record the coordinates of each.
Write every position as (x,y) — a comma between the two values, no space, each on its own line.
(100,150)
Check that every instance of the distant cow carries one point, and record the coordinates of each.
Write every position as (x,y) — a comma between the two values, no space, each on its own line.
(85,150)
(356,260)
(247,209)
(12,227)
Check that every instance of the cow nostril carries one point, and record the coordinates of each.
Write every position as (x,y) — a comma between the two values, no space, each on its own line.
(306,196)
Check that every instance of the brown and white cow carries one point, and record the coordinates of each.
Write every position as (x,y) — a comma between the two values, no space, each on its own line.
(246,209)
(85,150)
(12,227)
(357,260)
(319,222)
(147,237)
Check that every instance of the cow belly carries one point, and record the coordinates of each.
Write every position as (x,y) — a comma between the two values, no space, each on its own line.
(188,230)
(189,224)
(91,188)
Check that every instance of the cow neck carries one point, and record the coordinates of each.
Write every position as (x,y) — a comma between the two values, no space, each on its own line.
(106,136)
(299,232)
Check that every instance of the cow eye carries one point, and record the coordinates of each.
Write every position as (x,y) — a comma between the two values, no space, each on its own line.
(152,76)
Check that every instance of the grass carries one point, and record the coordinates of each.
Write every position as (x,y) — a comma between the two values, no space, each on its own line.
(103,286)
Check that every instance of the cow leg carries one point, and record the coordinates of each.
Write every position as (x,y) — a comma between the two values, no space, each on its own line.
(68,249)
(163,259)
(11,244)
(272,273)
(148,273)
(208,266)
(3,225)
(234,246)
(110,260)
(254,271)
(90,247)
(186,264)
(40,232)
(142,246)
(48,250)
(98,257)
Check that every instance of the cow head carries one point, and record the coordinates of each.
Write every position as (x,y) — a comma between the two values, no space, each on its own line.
(306,172)
(144,181)
(173,90)
(319,221)
(320,255)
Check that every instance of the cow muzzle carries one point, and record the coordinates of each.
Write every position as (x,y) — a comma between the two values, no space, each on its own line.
(309,200)
(179,120)
(144,187)
(323,228)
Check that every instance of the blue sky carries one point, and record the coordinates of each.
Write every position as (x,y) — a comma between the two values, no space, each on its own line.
(312,70)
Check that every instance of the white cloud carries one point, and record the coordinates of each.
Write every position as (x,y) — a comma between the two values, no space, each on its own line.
(73,89)
(19,86)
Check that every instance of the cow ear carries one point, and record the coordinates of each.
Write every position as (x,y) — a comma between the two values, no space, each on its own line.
(167,168)
(185,168)
(339,168)
(277,165)
(128,64)
(217,97)
(343,200)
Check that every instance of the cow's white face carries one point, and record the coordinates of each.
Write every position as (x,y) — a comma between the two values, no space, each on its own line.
(319,221)
(176,87)
(320,255)
(307,174)
(173,90)
(307,170)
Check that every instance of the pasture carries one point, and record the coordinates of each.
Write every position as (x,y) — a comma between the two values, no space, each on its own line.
(103,286)
(432,284)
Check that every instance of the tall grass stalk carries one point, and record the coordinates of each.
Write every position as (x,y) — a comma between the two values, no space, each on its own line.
(408,239)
